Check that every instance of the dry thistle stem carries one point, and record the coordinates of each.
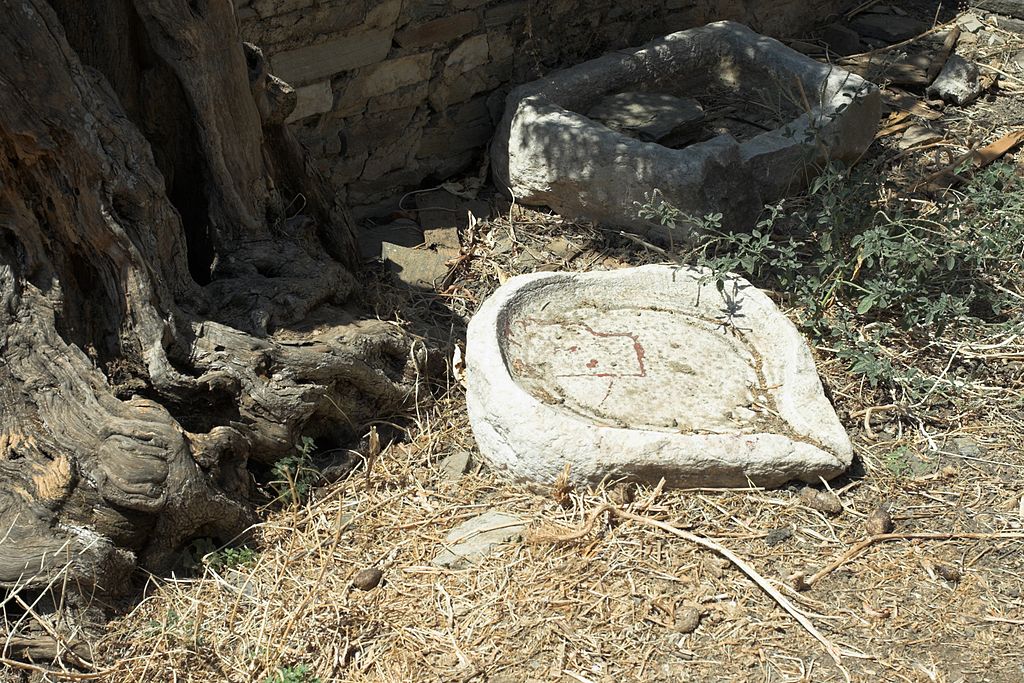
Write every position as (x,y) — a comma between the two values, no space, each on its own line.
(562,488)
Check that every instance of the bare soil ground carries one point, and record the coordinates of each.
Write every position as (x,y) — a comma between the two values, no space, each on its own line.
(941,598)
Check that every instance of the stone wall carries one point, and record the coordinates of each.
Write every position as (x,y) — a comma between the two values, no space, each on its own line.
(395,93)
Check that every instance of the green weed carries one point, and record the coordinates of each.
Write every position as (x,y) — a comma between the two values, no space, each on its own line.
(230,558)
(861,271)
(300,673)
(294,474)
(898,462)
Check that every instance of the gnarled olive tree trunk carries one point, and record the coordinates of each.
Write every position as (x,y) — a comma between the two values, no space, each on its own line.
(172,281)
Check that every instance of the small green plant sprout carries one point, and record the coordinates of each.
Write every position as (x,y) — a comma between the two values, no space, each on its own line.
(294,474)
(229,558)
(299,673)
(682,225)
(175,629)
(898,462)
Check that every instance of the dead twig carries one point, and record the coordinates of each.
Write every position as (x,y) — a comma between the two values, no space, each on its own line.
(903,43)
(863,545)
(740,564)
(867,417)
(1001,620)
(70,675)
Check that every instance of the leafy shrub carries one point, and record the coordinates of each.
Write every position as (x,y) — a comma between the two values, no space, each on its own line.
(860,267)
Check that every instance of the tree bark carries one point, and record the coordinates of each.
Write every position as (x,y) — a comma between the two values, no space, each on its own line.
(173,281)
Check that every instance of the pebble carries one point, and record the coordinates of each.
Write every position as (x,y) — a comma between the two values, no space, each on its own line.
(367,579)
(777,536)
(622,494)
(687,620)
(823,501)
(455,465)
(879,522)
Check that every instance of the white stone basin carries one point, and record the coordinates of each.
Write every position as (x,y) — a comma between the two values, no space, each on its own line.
(645,373)
(548,152)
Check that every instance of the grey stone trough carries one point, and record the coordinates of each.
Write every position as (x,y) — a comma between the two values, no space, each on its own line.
(644,373)
(548,151)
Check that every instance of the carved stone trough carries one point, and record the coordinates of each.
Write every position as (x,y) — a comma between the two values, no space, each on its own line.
(591,140)
(645,373)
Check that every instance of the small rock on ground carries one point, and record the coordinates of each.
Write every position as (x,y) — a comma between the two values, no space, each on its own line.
(367,579)
(878,522)
(777,536)
(1016,62)
(959,82)
(687,620)
(455,465)
(842,40)
(970,23)
(475,538)
(823,501)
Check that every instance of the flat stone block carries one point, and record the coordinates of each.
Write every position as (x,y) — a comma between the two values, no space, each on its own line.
(474,539)
(421,268)
(401,232)
(438,212)
(268,8)
(1012,8)
(470,54)
(842,40)
(888,27)
(312,99)
(506,13)
(644,373)
(440,30)
(322,60)
(386,77)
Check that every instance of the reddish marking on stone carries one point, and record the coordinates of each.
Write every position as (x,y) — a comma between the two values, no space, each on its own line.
(510,334)
(611,385)
(638,349)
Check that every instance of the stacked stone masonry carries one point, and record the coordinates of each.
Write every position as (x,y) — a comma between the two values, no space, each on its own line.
(395,93)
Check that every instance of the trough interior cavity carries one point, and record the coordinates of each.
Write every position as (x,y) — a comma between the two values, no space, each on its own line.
(635,365)
(741,94)
(742,113)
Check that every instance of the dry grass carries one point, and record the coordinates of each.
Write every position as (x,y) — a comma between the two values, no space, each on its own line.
(938,600)
(627,598)
(615,605)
